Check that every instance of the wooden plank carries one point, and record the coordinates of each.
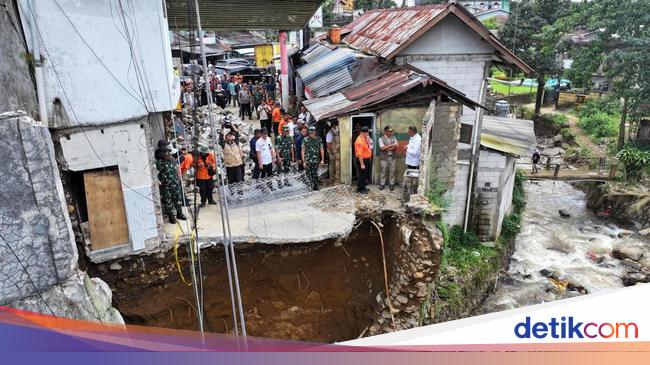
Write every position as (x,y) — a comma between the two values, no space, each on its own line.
(106,213)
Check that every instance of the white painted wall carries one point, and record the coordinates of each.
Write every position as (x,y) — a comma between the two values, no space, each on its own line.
(449,36)
(95,96)
(496,170)
(455,213)
(123,145)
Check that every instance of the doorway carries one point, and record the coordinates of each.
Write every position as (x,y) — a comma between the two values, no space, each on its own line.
(359,121)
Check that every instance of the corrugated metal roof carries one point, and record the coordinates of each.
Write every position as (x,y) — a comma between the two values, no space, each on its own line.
(512,136)
(381,32)
(315,51)
(329,73)
(320,107)
(244,14)
(378,90)
(386,32)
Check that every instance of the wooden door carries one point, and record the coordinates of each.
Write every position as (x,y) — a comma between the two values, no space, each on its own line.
(106,213)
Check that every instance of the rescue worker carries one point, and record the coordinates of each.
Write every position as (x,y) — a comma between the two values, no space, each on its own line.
(171,197)
(363,153)
(286,155)
(535,158)
(313,155)
(205,171)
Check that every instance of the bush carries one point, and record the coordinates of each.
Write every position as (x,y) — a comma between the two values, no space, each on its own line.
(635,161)
(523,112)
(560,120)
(567,135)
(458,238)
(603,105)
(436,194)
(599,125)
(518,192)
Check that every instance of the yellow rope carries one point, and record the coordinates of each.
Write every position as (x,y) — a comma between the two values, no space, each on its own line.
(175,245)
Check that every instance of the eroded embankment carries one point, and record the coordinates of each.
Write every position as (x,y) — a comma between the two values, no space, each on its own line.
(317,291)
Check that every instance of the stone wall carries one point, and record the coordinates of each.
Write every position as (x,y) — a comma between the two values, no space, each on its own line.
(33,217)
(39,257)
(18,92)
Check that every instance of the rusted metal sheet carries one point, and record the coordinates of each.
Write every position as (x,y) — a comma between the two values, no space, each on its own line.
(382,32)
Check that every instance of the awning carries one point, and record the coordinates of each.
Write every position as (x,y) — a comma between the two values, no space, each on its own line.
(243,14)
(512,136)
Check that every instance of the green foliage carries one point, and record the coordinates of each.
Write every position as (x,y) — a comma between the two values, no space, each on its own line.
(567,135)
(599,125)
(436,194)
(503,88)
(491,23)
(531,32)
(444,230)
(374,4)
(636,162)
(560,120)
(518,192)
(605,105)
(458,238)
(523,112)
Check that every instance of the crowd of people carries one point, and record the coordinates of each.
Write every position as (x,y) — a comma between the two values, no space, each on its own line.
(286,141)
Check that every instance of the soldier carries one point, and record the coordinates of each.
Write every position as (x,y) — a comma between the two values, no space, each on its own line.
(286,155)
(170,190)
(312,156)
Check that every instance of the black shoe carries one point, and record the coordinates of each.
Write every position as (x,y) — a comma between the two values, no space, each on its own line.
(172,219)
(391,187)
(316,188)
(364,192)
(181,216)
(212,202)
(202,205)
(381,187)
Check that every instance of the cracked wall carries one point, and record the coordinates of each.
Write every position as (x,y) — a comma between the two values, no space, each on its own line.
(33,217)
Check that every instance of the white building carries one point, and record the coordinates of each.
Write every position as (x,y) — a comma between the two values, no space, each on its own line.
(447,41)
(106,77)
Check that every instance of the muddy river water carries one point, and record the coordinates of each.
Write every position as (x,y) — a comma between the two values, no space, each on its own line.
(558,256)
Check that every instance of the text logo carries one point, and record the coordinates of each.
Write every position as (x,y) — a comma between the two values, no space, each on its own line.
(568,327)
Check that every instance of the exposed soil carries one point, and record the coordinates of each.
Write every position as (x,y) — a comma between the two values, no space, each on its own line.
(315,292)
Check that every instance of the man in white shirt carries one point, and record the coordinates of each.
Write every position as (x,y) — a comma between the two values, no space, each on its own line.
(413,149)
(306,116)
(265,155)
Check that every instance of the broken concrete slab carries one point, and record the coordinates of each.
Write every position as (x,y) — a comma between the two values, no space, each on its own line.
(37,240)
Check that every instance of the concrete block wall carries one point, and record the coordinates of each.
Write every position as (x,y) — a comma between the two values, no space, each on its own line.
(37,244)
(457,197)
(494,183)
(128,146)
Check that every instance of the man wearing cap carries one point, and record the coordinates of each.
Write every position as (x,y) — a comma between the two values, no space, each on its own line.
(286,155)
(253,153)
(171,198)
(312,155)
(388,146)
(233,159)
(265,155)
(363,153)
(206,168)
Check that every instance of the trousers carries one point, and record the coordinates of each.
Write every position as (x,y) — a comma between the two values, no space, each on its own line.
(387,171)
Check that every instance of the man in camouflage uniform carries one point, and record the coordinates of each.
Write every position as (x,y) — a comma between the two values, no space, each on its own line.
(171,197)
(286,155)
(312,156)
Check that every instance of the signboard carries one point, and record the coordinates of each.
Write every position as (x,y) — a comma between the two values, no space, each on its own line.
(316,21)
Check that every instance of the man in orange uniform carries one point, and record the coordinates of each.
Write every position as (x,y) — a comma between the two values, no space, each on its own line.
(206,169)
(363,153)
(277,118)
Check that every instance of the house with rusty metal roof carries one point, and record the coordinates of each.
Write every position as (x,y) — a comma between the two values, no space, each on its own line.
(445,40)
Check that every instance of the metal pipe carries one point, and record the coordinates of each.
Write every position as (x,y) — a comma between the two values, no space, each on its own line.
(223,206)
(284,70)
(475,142)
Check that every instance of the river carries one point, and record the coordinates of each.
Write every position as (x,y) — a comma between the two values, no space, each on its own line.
(558,257)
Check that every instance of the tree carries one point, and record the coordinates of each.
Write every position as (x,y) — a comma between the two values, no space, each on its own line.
(531,34)
(374,4)
(620,51)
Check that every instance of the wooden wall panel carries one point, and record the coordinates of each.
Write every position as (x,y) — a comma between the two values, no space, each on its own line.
(106,213)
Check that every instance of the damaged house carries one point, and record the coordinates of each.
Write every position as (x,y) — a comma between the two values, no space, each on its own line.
(445,42)
(103,89)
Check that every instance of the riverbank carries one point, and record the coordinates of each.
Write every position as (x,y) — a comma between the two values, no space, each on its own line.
(469,270)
